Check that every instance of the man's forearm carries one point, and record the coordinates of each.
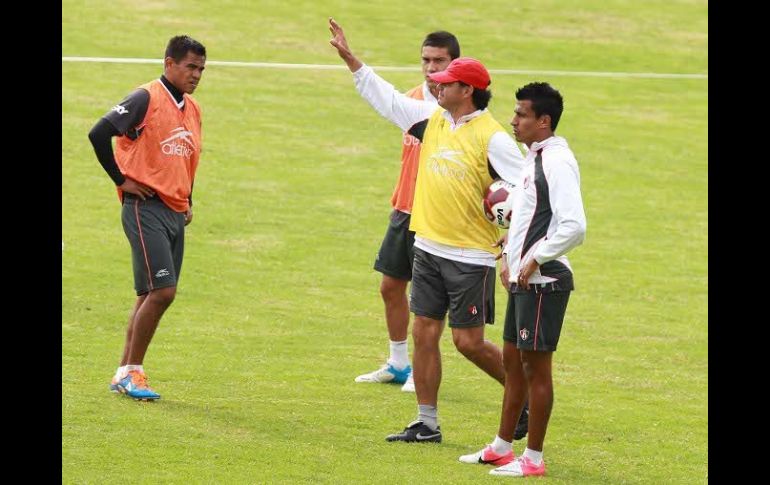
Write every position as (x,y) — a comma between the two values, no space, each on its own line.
(401,110)
(101,139)
(353,63)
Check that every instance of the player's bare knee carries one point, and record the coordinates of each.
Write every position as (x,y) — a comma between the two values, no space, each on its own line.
(537,365)
(528,366)
(425,335)
(387,291)
(511,358)
(392,289)
(468,345)
(163,296)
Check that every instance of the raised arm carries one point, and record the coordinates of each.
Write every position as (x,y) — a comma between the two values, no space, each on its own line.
(396,107)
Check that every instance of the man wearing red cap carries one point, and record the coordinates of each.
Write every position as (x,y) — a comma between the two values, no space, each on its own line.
(394,258)
(463,150)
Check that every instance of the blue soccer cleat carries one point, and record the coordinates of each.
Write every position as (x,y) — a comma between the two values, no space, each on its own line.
(135,385)
(114,385)
(387,373)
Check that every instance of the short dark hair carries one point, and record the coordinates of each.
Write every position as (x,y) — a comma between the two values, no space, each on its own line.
(546,100)
(480,97)
(178,47)
(442,38)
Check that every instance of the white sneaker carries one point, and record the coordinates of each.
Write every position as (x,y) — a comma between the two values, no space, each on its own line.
(387,373)
(488,456)
(409,384)
(520,467)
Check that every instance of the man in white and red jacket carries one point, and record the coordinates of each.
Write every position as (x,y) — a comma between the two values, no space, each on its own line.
(547,222)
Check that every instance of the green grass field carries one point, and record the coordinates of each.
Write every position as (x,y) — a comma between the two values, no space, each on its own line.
(278,308)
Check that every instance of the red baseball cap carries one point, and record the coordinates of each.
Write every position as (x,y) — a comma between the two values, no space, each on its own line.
(465,69)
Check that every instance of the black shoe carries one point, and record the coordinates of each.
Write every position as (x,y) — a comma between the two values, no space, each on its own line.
(523,425)
(417,432)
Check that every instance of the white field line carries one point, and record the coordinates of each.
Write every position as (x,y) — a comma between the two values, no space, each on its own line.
(279,65)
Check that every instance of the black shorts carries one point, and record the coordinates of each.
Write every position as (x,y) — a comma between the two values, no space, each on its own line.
(534,317)
(467,290)
(156,235)
(397,250)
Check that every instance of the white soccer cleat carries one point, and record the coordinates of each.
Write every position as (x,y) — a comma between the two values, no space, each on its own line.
(488,456)
(409,384)
(386,373)
(520,467)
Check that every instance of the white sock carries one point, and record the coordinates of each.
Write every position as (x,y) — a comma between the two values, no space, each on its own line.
(500,446)
(121,372)
(535,457)
(428,415)
(399,354)
(129,368)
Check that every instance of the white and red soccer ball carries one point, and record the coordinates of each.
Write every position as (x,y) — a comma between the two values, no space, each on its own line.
(498,203)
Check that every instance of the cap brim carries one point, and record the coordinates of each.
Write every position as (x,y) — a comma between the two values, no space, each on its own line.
(442,77)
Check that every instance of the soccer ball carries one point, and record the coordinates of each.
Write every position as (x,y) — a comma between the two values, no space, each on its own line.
(497,203)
